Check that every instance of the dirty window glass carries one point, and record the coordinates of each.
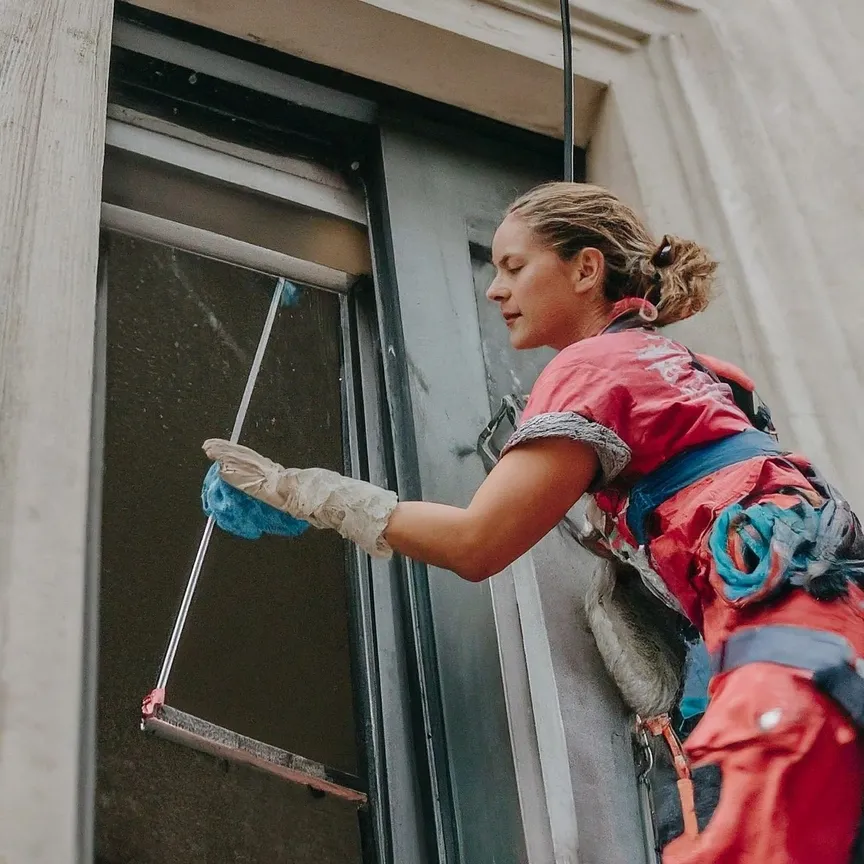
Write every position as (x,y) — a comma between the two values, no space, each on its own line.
(265,652)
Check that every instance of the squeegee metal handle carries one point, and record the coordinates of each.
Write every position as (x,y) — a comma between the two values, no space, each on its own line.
(192,584)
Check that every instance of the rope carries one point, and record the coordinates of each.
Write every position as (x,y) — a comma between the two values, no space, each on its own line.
(569,100)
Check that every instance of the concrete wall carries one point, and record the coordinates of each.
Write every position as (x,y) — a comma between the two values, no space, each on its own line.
(740,128)
(54,69)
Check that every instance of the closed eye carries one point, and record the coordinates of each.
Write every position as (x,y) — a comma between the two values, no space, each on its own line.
(508,266)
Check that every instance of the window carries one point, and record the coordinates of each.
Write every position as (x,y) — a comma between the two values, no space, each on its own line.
(264,666)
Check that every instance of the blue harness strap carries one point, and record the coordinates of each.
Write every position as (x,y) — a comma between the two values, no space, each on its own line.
(652,490)
(799,647)
(830,657)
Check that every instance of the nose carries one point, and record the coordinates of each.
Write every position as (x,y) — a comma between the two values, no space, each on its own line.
(496,292)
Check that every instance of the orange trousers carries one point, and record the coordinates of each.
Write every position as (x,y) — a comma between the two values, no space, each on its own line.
(792,769)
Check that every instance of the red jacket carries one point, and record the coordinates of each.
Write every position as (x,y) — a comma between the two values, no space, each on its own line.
(638,398)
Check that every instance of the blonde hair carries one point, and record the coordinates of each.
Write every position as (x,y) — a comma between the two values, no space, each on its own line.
(675,275)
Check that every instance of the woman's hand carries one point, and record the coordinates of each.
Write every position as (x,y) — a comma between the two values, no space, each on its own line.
(357,510)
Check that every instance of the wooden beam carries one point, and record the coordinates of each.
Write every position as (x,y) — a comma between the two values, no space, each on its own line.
(54,69)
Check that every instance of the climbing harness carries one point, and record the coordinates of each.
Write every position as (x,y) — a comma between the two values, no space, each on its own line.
(837,671)
(652,490)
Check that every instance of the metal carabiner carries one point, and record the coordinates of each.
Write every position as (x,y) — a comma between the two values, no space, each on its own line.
(495,433)
(647,816)
(646,752)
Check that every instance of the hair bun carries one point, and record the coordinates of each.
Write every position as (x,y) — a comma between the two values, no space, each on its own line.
(682,278)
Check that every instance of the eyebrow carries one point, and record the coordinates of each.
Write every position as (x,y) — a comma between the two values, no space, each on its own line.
(508,257)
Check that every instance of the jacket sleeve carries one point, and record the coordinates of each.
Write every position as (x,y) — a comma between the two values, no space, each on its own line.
(583,401)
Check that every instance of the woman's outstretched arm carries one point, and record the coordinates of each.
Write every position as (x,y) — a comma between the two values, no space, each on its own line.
(524,497)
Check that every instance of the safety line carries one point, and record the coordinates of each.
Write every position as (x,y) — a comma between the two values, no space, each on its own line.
(569,98)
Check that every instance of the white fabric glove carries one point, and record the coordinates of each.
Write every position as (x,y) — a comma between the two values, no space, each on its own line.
(357,510)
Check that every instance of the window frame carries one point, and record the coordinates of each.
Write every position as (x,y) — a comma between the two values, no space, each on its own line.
(411,776)
(358,407)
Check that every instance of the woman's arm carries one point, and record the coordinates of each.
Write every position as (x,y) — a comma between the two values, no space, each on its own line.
(524,497)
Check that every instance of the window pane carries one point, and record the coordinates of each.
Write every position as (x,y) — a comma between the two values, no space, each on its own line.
(265,652)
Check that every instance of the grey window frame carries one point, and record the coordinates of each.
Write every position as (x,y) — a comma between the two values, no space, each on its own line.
(357,351)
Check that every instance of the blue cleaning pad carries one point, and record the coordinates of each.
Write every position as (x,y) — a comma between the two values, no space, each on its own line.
(291,294)
(241,514)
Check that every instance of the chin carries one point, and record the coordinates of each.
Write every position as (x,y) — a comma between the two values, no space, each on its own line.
(523,341)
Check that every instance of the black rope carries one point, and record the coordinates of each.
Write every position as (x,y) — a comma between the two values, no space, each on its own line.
(569,145)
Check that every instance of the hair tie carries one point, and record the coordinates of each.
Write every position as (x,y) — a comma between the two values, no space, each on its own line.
(663,256)
(648,312)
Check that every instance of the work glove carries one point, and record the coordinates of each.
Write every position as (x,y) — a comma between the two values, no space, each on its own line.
(357,510)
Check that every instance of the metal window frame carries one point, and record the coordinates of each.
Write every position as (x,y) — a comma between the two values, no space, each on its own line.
(209,244)
(358,407)
(440,831)
(363,442)
(243,73)
(213,162)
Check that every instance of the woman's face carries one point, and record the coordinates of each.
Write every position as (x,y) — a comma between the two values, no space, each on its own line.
(545,301)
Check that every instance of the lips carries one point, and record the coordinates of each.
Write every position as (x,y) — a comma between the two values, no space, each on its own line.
(510,317)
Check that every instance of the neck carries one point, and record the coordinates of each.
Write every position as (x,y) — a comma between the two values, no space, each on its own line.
(590,324)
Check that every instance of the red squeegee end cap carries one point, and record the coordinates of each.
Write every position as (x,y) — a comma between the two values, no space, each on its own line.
(153,702)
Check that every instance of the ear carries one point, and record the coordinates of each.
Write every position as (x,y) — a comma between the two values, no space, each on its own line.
(588,270)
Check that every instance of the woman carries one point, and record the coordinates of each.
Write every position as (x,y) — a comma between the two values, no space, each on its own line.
(748,542)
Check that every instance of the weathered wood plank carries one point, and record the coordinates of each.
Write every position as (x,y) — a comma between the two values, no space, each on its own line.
(53,69)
